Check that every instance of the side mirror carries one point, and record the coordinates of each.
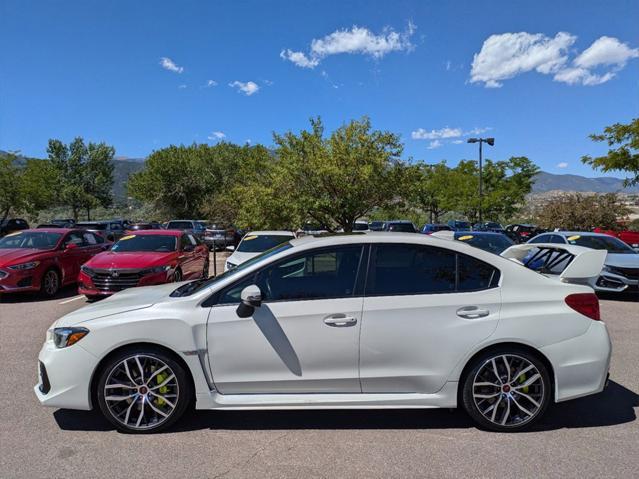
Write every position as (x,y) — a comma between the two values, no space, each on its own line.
(251,297)
(230,248)
(70,246)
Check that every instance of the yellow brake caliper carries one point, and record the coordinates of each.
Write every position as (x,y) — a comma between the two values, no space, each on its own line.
(160,378)
(521,380)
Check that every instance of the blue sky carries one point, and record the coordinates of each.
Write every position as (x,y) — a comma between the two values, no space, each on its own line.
(538,76)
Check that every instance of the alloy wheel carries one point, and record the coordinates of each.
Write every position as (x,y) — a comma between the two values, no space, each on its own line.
(51,283)
(508,390)
(141,392)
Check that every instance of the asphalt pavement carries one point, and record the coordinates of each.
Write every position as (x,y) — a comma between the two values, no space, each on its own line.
(597,436)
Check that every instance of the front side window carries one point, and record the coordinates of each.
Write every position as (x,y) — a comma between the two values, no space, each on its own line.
(75,238)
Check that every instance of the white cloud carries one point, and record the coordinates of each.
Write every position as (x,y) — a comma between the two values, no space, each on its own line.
(248,88)
(210,83)
(507,55)
(477,131)
(170,65)
(182,86)
(421,134)
(356,40)
(457,142)
(216,135)
(434,144)
(563,164)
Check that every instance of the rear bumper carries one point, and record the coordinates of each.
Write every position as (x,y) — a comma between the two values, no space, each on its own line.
(581,364)
(65,377)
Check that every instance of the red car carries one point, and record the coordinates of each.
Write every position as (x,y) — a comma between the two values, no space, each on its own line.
(45,259)
(144,258)
(631,238)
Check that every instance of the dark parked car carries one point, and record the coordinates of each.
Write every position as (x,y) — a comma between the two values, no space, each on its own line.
(109,230)
(520,233)
(376,226)
(217,236)
(487,240)
(195,227)
(12,225)
(400,226)
(430,228)
(63,222)
(459,225)
(153,225)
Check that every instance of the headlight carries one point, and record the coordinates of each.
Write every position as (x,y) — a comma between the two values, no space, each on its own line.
(63,337)
(157,269)
(23,266)
(86,270)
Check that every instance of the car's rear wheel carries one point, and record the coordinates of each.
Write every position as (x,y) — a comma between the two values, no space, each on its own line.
(143,390)
(50,284)
(506,390)
(177,275)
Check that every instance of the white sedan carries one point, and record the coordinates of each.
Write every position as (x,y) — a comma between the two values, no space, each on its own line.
(255,243)
(353,321)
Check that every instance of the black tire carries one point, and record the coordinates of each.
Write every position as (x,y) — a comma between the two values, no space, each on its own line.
(177,275)
(534,399)
(147,355)
(50,283)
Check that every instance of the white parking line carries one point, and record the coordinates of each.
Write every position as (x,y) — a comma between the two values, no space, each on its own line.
(72,299)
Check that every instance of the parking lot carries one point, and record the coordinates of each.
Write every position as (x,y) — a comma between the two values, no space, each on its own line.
(596,436)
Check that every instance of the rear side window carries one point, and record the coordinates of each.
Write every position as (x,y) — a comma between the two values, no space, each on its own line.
(411,269)
(399,269)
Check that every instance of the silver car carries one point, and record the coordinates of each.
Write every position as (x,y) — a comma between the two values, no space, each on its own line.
(621,267)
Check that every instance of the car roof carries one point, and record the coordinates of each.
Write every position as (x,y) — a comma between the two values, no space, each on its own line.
(479,233)
(580,233)
(271,232)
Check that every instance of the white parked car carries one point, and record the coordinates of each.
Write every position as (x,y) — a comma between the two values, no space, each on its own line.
(620,272)
(383,320)
(255,243)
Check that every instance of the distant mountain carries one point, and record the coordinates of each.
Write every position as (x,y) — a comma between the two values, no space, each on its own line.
(549,182)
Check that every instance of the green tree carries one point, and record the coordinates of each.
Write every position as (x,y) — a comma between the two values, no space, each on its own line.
(84,173)
(337,179)
(196,180)
(10,182)
(432,188)
(625,157)
(582,212)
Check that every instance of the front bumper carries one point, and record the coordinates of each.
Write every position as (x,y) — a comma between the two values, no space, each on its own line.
(12,281)
(613,283)
(581,364)
(68,373)
(88,287)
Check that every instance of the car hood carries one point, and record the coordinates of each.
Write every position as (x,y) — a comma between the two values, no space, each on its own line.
(133,259)
(622,260)
(239,257)
(18,255)
(128,300)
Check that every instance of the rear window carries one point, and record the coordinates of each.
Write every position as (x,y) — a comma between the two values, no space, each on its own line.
(179,225)
(92,226)
(259,243)
(610,244)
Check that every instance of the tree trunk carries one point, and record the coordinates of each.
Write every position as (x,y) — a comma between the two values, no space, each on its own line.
(88,213)
(5,214)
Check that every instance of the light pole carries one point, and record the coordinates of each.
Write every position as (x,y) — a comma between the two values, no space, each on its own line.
(491,142)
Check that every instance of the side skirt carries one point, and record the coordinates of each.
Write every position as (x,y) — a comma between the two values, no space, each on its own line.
(444,398)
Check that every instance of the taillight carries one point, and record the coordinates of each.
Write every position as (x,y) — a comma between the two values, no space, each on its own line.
(585,303)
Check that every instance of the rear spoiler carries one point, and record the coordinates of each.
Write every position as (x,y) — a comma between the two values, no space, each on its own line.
(581,263)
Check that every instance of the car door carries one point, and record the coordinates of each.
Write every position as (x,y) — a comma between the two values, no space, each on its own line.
(186,256)
(424,310)
(303,338)
(71,258)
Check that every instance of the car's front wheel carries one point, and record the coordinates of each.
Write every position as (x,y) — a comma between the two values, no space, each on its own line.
(506,390)
(143,390)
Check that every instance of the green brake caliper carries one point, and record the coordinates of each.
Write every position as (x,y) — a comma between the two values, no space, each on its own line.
(160,378)
(522,379)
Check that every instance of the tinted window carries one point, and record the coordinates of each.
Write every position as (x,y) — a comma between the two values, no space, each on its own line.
(185,242)
(610,244)
(259,243)
(411,269)
(401,227)
(30,239)
(540,239)
(92,226)
(75,238)
(474,274)
(493,243)
(557,239)
(329,273)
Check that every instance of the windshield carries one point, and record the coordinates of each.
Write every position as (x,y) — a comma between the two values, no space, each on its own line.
(92,226)
(151,243)
(30,239)
(259,243)
(610,244)
(179,225)
(198,285)
(491,243)
(360,227)
(401,227)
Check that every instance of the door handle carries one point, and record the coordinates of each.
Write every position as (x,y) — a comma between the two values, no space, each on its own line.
(340,321)
(472,312)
